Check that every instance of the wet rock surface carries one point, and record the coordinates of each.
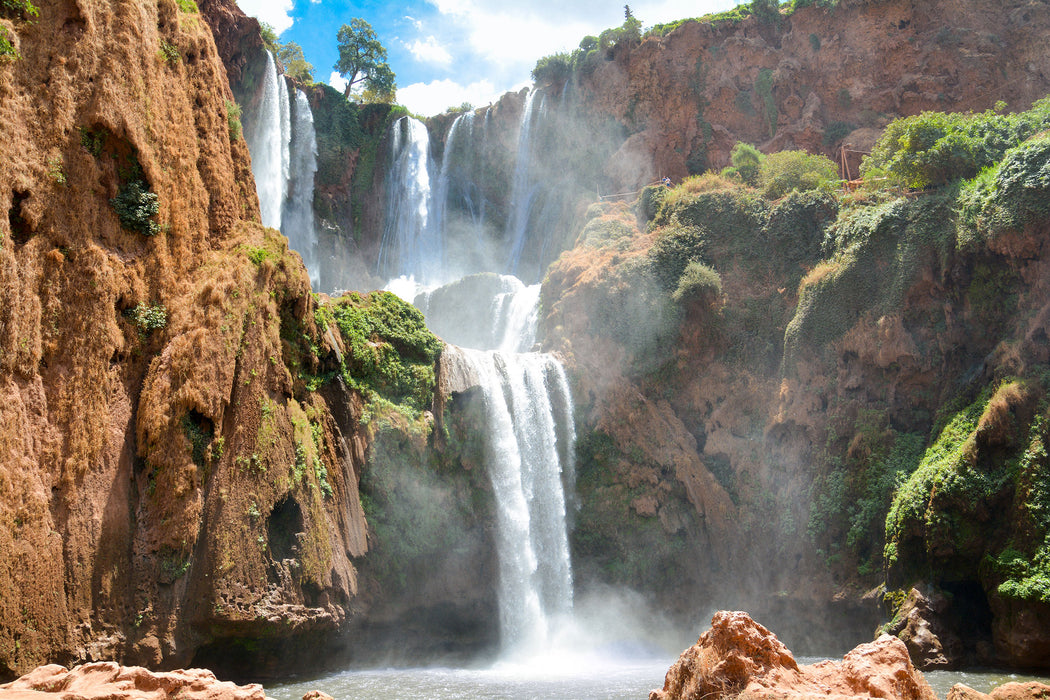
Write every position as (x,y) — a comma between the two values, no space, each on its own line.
(739,657)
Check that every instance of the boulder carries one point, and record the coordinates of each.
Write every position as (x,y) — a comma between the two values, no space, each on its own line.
(1007,691)
(919,624)
(317,695)
(738,656)
(107,680)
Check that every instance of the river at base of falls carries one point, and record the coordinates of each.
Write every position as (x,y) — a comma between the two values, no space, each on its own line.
(564,677)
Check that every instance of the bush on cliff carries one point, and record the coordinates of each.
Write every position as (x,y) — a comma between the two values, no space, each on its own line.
(698,283)
(934,148)
(390,352)
(1009,195)
(990,457)
(787,171)
(874,255)
(136,206)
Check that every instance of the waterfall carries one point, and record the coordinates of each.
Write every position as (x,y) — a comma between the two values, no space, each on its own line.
(529,443)
(525,437)
(297,217)
(409,246)
(522,190)
(439,201)
(268,143)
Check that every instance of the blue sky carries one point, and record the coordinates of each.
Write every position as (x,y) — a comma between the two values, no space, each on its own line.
(446,52)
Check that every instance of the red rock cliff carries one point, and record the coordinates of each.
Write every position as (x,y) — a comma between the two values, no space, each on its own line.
(161,460)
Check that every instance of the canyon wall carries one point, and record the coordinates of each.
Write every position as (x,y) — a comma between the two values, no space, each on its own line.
(163,460)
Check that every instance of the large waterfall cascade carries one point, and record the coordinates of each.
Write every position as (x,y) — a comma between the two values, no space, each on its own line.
(529,432)
(283,146)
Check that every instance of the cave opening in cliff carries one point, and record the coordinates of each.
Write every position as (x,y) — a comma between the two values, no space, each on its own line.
(21,231)
(282,527)
(971,615)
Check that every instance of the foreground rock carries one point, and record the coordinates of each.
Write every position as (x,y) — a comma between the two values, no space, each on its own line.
(738,656)
(1007,691)
(110,681)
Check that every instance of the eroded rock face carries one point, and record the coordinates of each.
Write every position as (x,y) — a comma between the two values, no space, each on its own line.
(111,681)
(152,405)
(920,625)
(738,656)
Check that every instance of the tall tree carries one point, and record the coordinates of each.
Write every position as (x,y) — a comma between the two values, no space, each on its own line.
(362,60)
(294,62)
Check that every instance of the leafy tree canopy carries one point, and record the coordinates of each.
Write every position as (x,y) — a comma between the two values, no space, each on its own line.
(294,62)
(362,61)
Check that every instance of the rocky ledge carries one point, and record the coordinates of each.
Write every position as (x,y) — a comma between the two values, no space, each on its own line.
(111,681)
(738,657)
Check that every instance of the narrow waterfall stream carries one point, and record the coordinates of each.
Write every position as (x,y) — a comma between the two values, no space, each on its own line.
(268,136)
(283,145)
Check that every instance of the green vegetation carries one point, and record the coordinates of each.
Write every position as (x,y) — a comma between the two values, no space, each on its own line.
(18,9)
(54,170)
(559,67)
(746,161)
(698,283)
(850,501)
(764,89)
(1009,195)
(169,52)
(199,433)
(136,206)
(148,317)
(934,148)
(188,6)
(8,52)
(362,61)
(233,119)
(269,37)
(788,171)
(93,140)
(390,354)
(295,63)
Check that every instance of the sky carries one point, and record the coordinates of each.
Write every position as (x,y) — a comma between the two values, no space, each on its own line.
(448,52)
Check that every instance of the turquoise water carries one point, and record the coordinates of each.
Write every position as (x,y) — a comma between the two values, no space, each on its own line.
(623,680)
(568,677)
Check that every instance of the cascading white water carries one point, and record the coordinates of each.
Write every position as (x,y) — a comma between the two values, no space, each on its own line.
(524,442)
(268,142)
(297,217)
(529,433)
(522,189)
(409,247)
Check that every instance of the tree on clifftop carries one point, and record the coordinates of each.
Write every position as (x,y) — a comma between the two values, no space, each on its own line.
(362,60)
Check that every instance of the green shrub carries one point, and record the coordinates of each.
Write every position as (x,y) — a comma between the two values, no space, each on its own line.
(786,171)
(18,9)
(934,148)
(169,52)
(136,206)
(93,141)
(148,317)
(8,52)
(233,120)
(187,6)
(746,162)
(698,283)
(553,69)
(390,352)
(677,246)
(1009,195)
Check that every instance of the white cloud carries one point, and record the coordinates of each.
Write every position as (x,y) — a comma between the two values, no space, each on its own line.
(414,22)
(428,99)
(274,12)
(429,51)
(337,81)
